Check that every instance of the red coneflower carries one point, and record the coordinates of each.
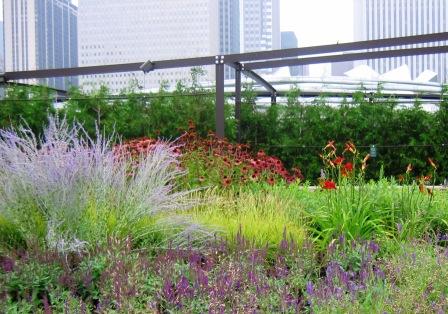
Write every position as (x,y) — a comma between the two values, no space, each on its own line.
(329,185)
(271,181)
(226,181)
(255,175)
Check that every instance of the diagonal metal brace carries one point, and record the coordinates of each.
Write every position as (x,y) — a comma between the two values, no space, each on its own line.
(257,78)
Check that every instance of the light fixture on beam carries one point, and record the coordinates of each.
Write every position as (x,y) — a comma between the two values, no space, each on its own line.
(148,66)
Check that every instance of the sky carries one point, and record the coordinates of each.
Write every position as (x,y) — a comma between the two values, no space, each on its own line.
(318,22)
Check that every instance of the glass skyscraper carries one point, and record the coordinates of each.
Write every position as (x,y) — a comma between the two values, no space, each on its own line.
(41,34)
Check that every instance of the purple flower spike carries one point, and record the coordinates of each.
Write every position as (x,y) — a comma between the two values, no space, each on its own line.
(168,291)
(374,247)
(341,239)
(309,288)
(183,288)
(379,274)
(6,264)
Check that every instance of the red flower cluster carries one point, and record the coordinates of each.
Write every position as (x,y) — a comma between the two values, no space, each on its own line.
(136,147)
(236,162)
(329,185)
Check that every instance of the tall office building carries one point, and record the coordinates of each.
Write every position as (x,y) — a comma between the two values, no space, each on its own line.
(376,19)
(229,31)
(260,25)
(140,30)
(2,49)
(41,34)
(229,26)
(289,40)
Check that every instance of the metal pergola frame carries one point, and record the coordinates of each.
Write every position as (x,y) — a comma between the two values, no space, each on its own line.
(246,63)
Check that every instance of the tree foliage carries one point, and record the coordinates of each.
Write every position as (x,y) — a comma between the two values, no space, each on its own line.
(295,132)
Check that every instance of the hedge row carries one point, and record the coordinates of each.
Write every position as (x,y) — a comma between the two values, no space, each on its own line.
(295,132)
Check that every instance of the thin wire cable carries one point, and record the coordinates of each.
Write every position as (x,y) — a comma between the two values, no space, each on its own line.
(359,146)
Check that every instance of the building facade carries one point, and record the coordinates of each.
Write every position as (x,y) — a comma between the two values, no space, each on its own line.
(229,31)
(41,34)
(2,49)
(260,25)
(141,30)
(377,19)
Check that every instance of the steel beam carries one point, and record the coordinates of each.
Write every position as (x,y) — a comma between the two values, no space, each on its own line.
(220,117)
(98,69)
(112,68)
(177,63)
(360,45)
(229,59)
(346,57)
(238,101)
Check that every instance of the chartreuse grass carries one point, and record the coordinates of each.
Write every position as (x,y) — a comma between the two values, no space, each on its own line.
(373,210)
(260,213)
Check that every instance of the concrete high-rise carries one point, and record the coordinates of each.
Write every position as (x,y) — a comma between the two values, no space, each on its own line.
(376,19)
(260,22)
(41,34)
(229,30)
(229,26)
(140,30)
(117,31)
(2,49)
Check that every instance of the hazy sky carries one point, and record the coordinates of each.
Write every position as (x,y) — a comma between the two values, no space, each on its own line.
(318,22)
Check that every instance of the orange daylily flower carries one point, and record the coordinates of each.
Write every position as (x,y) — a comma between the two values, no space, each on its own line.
(432,163)
(350,147)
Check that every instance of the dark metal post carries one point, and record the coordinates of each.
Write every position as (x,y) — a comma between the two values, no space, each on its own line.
(274,98)
(238,101)
(220,118)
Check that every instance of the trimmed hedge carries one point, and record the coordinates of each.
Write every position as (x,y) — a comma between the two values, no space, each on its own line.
(294,132)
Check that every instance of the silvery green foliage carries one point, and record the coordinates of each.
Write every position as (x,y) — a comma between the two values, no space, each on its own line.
(66,173)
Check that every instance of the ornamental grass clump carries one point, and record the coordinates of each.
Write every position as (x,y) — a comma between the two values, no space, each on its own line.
(359,209)
(67,190)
